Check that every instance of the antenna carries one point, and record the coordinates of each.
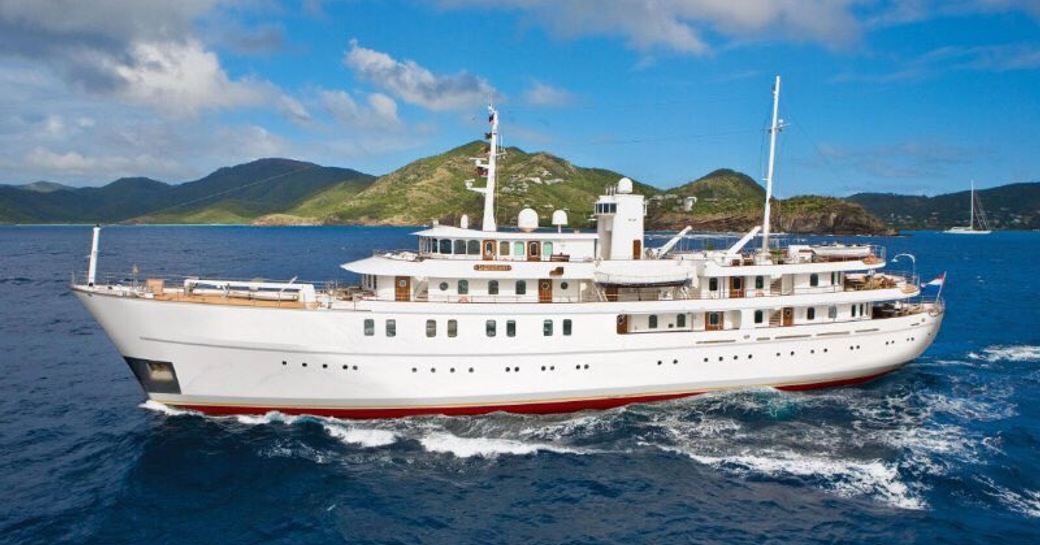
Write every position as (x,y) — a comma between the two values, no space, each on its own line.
(773,130)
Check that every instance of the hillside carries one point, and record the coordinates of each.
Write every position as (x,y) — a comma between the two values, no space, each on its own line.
(726,200)
(434,188)
(237,194)
(1013,206)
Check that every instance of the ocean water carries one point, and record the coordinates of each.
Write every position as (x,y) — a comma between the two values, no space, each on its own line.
(943,451)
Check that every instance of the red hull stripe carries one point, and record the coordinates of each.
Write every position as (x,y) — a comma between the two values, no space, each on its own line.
(548,407)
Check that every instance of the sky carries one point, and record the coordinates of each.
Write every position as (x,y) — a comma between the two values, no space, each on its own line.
(909,96)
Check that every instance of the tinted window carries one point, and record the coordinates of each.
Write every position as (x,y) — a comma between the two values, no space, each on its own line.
(473,248)
(511,328)
(490,328)
(493,287)
(713,284)
(391,328)
(810,313)
(453,328)
(431,328)
(566,327)
(759,282)
(653,321)
(521,287)
(463,287)
(370,328)
(518,249)
(814,279)
(758,316)
(445,246)
(547,328)
(460,247)
(680,320)
(503,248)
(547,248)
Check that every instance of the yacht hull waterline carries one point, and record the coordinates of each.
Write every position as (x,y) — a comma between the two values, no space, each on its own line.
(529,320)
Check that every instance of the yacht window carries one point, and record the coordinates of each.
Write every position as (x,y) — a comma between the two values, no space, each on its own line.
(814,280)
(532,249)
(810,313)
(463,287)
(680,320)
(653,321)
(431,328)
(445,246)
(443,286)
(453,328)
(493,287)
(547,327)
(518,249)
(434,245)
(370,327)
(460,247)
(490,328)
(564,285)
(854,310)
(391,328)
(510,328)
(713,318)
(503,248)
(758,315)
(473,247)
(713,284)
(521,287)
(832,312)
(759,282)
(834,279)
(567,327)
(547,248)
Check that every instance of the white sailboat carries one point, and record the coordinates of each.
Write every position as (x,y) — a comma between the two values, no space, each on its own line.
(970,229)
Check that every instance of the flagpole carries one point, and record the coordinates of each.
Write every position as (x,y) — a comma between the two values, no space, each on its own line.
(939,293)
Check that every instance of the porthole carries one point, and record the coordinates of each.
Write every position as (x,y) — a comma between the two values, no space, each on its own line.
(305,365)
(658,362)
(564,285)
(470,369)
(355,368)
(344,367)
(452,370)
(675,362)
(792,352)
(516,369)
(578,367)
(778,354)
(749,356)
(324,366)
(552,367)
(735,357)
(586,366)
(284,362)
(508,369)
(414,370)
(433,369)
(720,358)
(543,368)
(705,360)
(443,286)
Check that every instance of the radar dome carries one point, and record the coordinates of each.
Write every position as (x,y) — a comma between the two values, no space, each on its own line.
(624,185)
(559,218)
(527,220)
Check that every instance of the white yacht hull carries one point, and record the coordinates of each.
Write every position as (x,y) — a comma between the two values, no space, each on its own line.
(241,359)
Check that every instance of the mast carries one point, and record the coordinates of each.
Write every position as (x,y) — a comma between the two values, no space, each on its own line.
(489,190)
(775,128)
(971,218)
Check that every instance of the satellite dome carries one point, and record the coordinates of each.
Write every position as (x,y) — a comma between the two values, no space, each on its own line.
(624,185)
(527,220)
(559,218)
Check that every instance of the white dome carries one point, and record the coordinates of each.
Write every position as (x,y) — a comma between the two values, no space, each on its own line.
(559,217)
(527,220)
(624,185)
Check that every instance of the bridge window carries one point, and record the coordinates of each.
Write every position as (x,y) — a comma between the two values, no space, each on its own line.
(713,284)
(547,328)
(445,246)
(391,328)
(503,248)
(567,328)
(653,321)
(473,247)
(518,249)
(510,328)
(759,316)
(493,287)
(490,328)
(463,287)
(521,287)
(460,247)
(814,280)
(370,327)
(431,328)
(680,320)
(760,282)
(453,328)
(810,313)
(547,248)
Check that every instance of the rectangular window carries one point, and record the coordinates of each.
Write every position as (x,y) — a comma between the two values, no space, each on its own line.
(370,327)
(680,320)
(547,327)
(759,316)
(810,313)
(490,328)
(854,310)
(510,328)
(431,328)
(653,321)
(832,312)
(493,287)
(503,248)
(713,284)
(760,282)
(567,328)
(391,328)
(463,287)
(521,287)
(518,249)
(714,318)
(453,328)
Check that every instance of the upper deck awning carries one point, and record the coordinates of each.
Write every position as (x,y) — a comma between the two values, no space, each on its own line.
(448,231)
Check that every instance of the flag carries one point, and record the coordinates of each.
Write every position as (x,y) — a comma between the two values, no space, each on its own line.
(937,281)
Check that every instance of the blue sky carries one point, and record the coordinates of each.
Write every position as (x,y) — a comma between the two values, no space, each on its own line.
(913,96)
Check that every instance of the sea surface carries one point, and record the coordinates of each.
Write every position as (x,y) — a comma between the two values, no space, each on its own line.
(944,451)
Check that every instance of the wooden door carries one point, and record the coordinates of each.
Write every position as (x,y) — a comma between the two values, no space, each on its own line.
(788,314)
(622,324)
(612,293)
(488,251)
(713,321)
(534,251)
(736,286)
(402,288)
(545,291)
(637,249)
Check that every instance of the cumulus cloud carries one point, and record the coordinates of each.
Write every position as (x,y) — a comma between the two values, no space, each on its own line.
(415,84)
(541,94)
(75,163)
(981,58)
(379,112)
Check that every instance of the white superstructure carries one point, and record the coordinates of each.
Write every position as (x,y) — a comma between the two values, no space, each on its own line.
(526,320)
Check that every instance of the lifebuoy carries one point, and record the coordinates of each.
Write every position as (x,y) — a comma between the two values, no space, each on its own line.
(463,299)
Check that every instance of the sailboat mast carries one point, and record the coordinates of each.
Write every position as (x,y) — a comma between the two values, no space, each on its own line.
(971,218)
(769,172)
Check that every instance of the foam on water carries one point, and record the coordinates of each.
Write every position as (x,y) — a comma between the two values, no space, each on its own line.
(266,418)
(485,447)
(368,438)
(1026,502)
(1008,353)
(163,408)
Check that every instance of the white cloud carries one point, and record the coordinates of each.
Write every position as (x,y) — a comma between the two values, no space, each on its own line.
(74,163)
(380,111)
(415,84)
(982,58)
(541,94)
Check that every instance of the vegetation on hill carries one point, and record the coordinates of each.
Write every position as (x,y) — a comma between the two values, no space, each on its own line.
(1013,206)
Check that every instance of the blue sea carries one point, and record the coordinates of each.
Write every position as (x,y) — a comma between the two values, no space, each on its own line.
(943,451)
